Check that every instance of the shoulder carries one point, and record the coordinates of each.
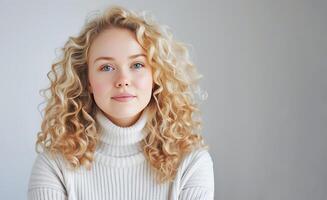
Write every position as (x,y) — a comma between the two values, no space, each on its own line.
(196,160)
(197,166)
(47,170)
(198,155)
(47,159)
(195,176)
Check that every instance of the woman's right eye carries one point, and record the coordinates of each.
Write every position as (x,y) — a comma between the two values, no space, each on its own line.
(107,68)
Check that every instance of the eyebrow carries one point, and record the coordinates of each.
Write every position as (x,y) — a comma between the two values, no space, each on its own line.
(111,58)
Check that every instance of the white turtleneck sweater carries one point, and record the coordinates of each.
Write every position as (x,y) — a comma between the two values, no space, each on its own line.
(120,171)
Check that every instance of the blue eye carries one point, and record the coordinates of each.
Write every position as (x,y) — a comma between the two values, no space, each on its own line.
(107,68)
(138,65)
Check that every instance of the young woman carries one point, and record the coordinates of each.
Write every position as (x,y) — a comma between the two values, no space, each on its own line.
(120,120)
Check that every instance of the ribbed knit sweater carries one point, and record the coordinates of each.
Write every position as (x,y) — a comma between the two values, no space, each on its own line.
(120,171)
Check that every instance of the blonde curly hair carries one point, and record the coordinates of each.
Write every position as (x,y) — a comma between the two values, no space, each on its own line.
(69,126)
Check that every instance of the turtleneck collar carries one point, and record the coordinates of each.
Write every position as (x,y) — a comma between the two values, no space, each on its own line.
(112,134)
(120,146)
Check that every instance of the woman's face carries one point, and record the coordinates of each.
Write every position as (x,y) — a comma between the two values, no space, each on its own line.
(117,65)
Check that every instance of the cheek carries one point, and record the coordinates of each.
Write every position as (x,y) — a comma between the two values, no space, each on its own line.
(144,82)
(100,87)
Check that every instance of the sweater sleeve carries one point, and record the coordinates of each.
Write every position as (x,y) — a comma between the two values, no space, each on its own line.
(197,182)
(46,180)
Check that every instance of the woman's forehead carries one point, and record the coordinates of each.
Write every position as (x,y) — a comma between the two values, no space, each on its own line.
(115,43)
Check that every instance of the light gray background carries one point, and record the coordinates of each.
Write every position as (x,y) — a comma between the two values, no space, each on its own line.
(264,67)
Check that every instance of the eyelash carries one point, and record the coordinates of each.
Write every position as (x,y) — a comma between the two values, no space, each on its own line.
(102,68)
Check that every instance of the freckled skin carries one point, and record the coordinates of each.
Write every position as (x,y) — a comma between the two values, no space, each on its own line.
(120,75)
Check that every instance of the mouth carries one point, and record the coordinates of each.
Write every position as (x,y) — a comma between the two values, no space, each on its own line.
(123,98)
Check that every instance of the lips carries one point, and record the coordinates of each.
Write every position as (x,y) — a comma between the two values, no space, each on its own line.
(123,97)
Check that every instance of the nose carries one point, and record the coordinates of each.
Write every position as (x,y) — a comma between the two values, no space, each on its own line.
(122,81)
(121,84)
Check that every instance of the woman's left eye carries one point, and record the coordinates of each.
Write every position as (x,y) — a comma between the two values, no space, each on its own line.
(138,65)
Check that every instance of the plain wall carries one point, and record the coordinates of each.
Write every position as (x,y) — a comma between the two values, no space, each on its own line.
(264,69)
